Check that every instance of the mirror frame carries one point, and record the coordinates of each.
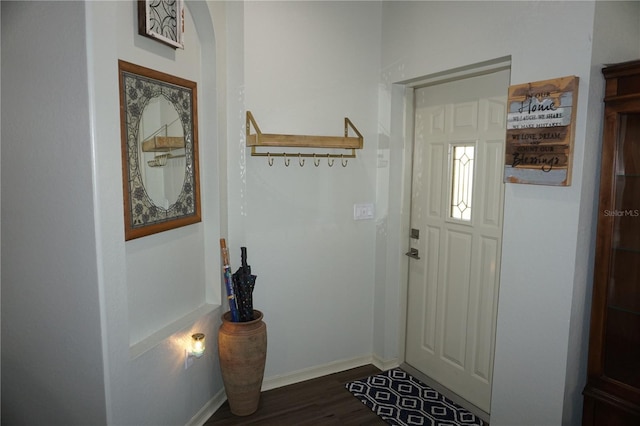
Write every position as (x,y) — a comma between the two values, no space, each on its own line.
(139,85)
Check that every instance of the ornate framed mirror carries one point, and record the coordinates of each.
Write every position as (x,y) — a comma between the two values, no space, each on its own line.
(159,126)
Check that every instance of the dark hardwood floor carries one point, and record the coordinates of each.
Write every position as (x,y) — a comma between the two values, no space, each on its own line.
(321,401)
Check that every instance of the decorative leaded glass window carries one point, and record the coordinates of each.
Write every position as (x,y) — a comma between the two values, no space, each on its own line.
(461,181)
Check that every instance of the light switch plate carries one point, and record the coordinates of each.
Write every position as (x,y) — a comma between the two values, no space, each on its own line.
(363,211)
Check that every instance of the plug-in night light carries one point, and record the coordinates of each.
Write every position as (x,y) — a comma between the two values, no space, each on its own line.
(197,345)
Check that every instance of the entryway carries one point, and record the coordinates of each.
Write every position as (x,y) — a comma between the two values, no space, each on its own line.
(456,232)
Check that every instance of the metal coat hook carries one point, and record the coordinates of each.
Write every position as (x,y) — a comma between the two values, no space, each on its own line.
(317,158)
(330,161)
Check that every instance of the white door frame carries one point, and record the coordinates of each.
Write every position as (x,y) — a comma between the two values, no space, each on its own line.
(407,115)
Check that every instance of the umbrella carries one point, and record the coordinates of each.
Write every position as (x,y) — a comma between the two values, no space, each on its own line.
(226,270)
(243,283)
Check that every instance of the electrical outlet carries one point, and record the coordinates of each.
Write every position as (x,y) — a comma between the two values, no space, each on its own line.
(188,360)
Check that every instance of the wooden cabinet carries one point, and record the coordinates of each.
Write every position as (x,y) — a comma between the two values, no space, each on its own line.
(612,394)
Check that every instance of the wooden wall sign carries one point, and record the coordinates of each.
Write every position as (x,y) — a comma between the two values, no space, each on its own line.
(540,132)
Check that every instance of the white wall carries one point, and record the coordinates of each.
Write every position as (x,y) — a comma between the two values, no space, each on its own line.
(51,351)
(307,65)
(330,287)
(154,289)
(616,38)
(545,263)
(94,328)
(165,271)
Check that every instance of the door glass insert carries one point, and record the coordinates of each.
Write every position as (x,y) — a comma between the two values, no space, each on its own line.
(462,181)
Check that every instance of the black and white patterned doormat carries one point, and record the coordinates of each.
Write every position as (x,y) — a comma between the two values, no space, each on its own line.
(401,399)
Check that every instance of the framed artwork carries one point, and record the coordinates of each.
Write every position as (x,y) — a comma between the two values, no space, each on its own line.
(162,20)
(159,132)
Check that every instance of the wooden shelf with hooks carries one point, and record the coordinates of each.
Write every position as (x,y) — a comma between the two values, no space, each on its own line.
(163,143)
(268,140)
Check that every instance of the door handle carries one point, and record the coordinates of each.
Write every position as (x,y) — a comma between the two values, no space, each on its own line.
(413,253)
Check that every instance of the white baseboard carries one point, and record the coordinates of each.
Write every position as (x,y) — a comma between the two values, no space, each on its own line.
(384,365)
(295,377)
(209,409)
(314,372)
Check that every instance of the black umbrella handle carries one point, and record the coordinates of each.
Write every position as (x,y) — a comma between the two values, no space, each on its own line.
(243,256)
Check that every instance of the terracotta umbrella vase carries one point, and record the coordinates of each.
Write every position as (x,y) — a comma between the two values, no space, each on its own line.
(242,347)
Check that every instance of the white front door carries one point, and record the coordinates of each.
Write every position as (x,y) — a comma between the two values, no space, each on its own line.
(456,221)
